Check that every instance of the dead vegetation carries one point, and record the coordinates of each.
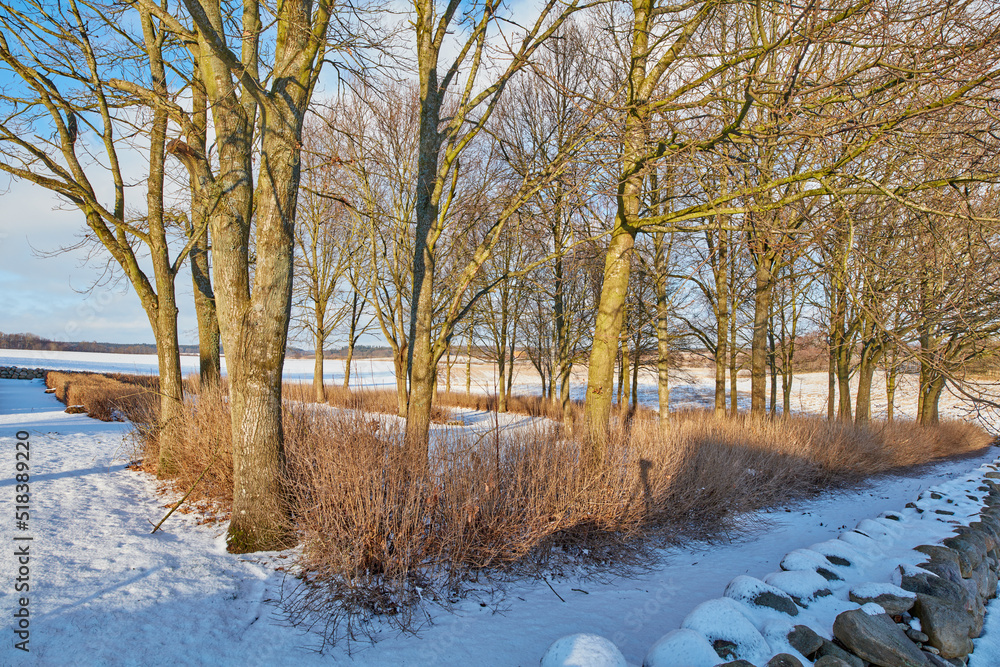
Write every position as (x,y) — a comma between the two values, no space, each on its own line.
(376,540)
(108,397)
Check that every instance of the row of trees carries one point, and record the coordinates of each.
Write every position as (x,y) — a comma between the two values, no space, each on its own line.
(749,162)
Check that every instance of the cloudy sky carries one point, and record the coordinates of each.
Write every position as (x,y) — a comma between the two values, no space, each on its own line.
(62,297)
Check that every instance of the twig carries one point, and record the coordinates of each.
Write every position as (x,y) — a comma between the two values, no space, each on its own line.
(189,491)
(552,589)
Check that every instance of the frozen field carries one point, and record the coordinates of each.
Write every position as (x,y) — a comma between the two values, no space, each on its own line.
(690,387)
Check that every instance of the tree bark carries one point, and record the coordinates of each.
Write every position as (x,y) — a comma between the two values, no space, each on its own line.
(319,388)
(663,339)
(721,270)
(763,294)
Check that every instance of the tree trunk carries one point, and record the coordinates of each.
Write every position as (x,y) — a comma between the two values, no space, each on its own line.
(162,309)
(772,361)
(733,364)
(663,339)
(513,355)
(402,396)
(209,338)
(468,366)
(319,388)
(763,292)
(931,386)
(635,372)
(607,330)
(722,321)
(352,338)
(831,391)
(891,378)
(624,376)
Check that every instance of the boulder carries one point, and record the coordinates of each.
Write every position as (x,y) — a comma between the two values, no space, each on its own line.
(784,660)
(754,593)
(894,600)
(829,649)
(947,624)
(831,661)
(877,639)
(805,640)
(938,552)
(733,636)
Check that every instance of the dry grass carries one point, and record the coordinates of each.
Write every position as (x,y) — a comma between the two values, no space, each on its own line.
(378,401)
(110,397)
(376,539)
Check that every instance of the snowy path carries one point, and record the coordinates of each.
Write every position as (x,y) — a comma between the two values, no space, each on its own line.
(106,592)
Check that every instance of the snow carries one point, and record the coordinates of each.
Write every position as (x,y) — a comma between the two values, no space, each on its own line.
(871,590)
(107,592)
(583,650)
(681,647)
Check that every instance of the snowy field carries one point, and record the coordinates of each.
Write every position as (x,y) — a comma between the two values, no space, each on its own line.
(690,387)
(103,591)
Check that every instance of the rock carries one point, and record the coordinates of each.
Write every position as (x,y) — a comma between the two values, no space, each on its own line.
(936,660)
(738,663)
(756,594)
(831,661)
(682,646)
(946,623)
(938,552)
(877,639)
(732,634)
(944,569)
(805,640)
(830,649)
(803,586)
(929,584)
(784,660)
(583,650)
(917,636)
(893,599)
(971,552)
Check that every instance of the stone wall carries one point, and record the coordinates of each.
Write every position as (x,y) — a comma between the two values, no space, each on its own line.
(906,589)
(15,373)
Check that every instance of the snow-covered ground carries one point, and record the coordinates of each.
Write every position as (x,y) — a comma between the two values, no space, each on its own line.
(690,387)
(104,591)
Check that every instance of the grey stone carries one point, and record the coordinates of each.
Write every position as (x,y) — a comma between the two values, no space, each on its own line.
(877,639)
(830,649)
(938,552)
(947,624)
(894,605)
(784,660)
(971,551)
(831,661)
(755,593)
(936,660)
(738,663)
(945,569)
(917,636)
(805,640)
(929,584)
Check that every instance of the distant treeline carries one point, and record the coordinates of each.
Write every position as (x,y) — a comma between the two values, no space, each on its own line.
(29,341)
